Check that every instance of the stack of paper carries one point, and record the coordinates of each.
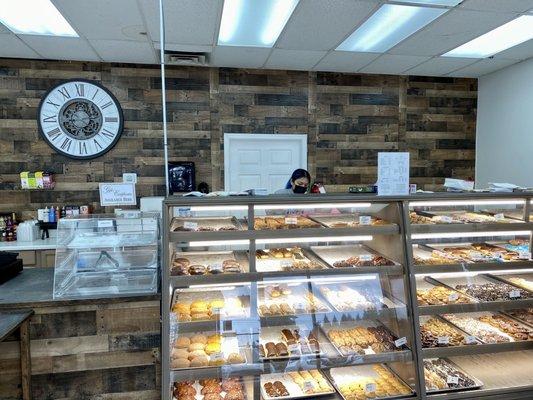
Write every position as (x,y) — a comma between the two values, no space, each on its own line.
(502,187)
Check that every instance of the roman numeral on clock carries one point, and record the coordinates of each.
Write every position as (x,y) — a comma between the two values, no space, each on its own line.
(80,89)
(82,148)
(66,144)
(109,103)
(107,133)
(51,118)
(54,133)
(64,92)
(52,103)
(97,144)
(111,119)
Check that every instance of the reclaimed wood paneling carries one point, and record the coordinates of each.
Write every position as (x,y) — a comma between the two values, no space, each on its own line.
(104,351)
(348,118)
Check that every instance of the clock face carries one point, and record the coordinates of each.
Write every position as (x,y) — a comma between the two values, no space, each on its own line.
(80,119)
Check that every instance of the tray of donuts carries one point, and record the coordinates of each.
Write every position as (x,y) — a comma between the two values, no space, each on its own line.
(204,304)
(205,224)
(277,343)
(206,263)
(207,349)
(210,389)
(295,385)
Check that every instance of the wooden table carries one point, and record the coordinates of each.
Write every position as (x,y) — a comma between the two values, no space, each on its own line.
(9,323)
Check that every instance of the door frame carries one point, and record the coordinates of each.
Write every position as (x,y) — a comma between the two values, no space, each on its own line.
(229,137)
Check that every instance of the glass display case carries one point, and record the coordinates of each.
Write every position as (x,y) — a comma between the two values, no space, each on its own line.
(470,260)
(107,255)
(286,297)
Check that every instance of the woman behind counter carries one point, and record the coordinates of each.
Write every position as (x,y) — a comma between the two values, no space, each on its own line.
(297,184)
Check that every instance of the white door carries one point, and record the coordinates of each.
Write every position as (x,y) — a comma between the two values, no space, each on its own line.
(262,161)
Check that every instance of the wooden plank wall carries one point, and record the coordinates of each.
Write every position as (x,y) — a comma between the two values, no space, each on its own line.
(348,118)
(107,351)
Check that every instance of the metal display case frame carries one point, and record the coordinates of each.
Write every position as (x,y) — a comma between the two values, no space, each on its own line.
(397,212)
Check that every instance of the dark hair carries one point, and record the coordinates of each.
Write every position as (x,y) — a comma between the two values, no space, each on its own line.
(297,174)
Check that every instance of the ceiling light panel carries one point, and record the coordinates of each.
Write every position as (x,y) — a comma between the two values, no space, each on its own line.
(256,23)
(450,3)
(34,17)
(504,37)
(388,26)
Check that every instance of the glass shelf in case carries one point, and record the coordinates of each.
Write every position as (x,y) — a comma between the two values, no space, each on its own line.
(107,255)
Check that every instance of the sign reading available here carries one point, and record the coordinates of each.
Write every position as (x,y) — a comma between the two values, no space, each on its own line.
(117,194)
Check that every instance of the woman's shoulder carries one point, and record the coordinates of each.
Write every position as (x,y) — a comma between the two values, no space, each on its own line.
(284,191)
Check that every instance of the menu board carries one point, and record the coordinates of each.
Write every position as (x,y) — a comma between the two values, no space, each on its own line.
(393,174)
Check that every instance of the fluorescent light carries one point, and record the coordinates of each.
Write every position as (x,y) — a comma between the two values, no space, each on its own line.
(256,23)
(389,26)
(467,234)
(464,203)
(219,208)
(315,239)
(509,35)
(203,243)
(469,273)
(311,206)
(34,17)
(432,2)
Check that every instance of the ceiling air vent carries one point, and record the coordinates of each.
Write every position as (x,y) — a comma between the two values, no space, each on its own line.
(186,58)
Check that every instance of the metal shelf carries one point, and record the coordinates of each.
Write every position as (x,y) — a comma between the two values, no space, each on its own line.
(473,267)
(454,351)
(459,228)
(516,393)
(184,236)
(475,307)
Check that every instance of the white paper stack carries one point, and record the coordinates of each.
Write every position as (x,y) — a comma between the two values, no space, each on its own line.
(458,185)
(502,187)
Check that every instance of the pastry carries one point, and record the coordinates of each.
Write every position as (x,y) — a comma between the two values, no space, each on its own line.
(212,396)
(208,381)
(196,353)
(211,388)
(235,358)
(179,353)
(197,269)
(182,342)
(261,349)
(281,350)
(196,346)
(200,361)
(181,260)
(270,349)
(186,390)
(216,338)
(199,339)
(217,304)
(212,348)
(215,269)
(200,316)
(234,394)
(180,363)
(231,384)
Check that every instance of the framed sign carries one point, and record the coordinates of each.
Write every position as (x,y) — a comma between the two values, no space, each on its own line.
(117,194)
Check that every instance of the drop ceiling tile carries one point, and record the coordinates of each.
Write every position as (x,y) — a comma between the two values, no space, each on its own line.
(453,29)
(482,67)
(323,24)
(246,57)
(103,19)
(61,48)
(345,61)
(124,51)
(12,46)
(440,66)
(185,47)
(294,59)
(498,5)
(186,21)
(391,64)
(523,51)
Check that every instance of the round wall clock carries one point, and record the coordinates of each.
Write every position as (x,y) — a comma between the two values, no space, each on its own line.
(80,119)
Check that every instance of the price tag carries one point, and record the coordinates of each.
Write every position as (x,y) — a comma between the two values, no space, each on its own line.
(400,342)
(105,223)
(285,264)
(309,387)
(499,217)
(444,340)
(370,387)
(453,297)
(453,380)
(219,356)
(365,257)
(524,255)
(513,294)
(291,221)
(365,220)
(193,226)
(446,219)
(470,340)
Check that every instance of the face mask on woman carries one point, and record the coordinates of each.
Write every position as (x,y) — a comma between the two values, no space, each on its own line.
(299,189)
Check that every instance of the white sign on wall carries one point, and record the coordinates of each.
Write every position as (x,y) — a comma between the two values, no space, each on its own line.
(393,174)
(117,194)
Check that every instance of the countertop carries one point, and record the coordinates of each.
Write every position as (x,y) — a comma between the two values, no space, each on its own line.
(46,244)
(33,287)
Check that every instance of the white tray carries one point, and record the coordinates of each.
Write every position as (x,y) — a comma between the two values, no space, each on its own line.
(294,390)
